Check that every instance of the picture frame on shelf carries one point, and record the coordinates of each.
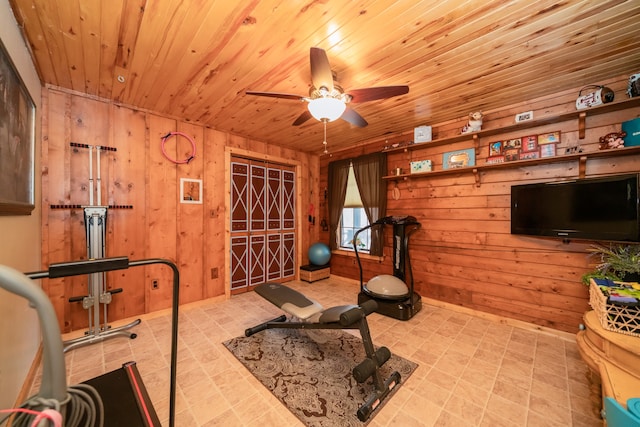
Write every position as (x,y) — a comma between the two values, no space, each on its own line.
(421,166)
(511,154)
(495,148)
(529,155)
(549,138)
(529,143)
(459,159)
(421,134)
(547,150)
(17,141)
(495,160)
(513,143)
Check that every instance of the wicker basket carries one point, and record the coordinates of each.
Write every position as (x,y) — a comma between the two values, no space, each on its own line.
(311,273)
(614,317)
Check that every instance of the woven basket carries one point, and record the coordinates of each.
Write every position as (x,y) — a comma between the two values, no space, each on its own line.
(614,317)
(312,273)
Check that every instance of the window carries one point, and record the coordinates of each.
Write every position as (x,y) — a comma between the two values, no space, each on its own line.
(353,218)
(370,198)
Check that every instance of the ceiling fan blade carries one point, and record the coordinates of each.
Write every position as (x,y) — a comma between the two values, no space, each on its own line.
(373,93)
(276,95)
(306,115)
(351,116)
(321,74)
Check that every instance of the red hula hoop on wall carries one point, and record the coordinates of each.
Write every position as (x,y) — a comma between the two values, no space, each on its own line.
(190,139)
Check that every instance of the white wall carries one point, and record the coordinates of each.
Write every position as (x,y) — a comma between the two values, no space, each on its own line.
(20,240)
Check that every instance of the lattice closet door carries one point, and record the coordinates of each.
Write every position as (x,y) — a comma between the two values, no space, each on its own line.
(263,230)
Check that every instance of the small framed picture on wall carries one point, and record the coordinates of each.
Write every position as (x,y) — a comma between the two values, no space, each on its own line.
(190,191)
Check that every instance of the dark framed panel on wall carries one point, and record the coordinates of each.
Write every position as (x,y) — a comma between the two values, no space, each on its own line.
(17,141)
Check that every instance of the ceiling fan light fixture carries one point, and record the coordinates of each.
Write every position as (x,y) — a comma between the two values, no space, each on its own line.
(326,109)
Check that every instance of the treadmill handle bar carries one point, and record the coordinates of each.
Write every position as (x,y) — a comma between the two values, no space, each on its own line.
(76,268)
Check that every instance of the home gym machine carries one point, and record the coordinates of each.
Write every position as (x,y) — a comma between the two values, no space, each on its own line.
(395,299)
(313,317)
(95,224)
(117,398)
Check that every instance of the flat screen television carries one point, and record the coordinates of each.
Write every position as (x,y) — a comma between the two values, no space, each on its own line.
(604,208)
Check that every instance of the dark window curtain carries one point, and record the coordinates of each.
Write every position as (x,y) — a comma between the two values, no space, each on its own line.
(369,171)
(338,175)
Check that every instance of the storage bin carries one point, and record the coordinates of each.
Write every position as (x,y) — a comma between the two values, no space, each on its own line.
(621,318)
(311,273)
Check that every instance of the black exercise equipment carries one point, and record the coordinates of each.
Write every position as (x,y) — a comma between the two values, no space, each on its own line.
(313,317)
(125,398)
(395,299)
(84,404)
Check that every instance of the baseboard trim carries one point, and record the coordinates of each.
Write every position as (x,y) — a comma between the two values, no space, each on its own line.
(25,391)
(484,315)
(500,319)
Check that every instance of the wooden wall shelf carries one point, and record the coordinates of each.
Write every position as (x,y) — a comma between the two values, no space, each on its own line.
(580,157)
(581,115)
(474,137)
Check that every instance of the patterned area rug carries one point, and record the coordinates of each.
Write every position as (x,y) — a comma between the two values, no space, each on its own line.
(313,380)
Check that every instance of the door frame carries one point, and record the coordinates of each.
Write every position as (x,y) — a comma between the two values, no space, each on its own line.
(297,165)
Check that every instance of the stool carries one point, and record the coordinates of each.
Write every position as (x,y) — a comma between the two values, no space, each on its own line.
(311,273)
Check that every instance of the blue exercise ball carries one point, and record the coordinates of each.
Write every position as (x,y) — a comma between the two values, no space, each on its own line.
(319,254)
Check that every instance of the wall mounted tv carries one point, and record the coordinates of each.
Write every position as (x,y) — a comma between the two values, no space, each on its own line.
(603,208)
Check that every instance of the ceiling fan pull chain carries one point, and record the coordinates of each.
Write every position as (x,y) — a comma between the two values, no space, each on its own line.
(324,141)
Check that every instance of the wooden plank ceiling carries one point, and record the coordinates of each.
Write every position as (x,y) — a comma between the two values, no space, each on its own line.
(195,59)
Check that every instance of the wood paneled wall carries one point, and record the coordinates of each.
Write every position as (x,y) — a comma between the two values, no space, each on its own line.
(137,174)
(464,254)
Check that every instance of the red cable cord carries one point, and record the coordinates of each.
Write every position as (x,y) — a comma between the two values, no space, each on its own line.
(140,396)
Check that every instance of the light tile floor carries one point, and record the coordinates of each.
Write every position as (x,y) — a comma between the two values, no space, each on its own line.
(472,371)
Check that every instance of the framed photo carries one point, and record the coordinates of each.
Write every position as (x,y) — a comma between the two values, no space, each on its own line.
(549,138)
(529,155)
(547,150)
(17,141)
(422,134)
(191,191)
(495,148)
(421,166)
(513,143)
(459,159)
(511,154)
(495,160)
(530,143)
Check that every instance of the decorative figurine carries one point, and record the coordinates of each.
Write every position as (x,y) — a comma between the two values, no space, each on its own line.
(612,140)
(474,124)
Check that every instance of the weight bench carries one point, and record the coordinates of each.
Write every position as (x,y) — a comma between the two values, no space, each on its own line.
(312,316)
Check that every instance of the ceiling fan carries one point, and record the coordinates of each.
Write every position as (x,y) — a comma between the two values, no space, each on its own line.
(327,101)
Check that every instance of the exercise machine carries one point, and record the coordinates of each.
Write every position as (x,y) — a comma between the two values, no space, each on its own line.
(95,223)
(391,293)
(117,398)
(312,317)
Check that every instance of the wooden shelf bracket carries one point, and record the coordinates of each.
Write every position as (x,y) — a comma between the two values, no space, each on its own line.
(582,167)
(582,124)
(476,175)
